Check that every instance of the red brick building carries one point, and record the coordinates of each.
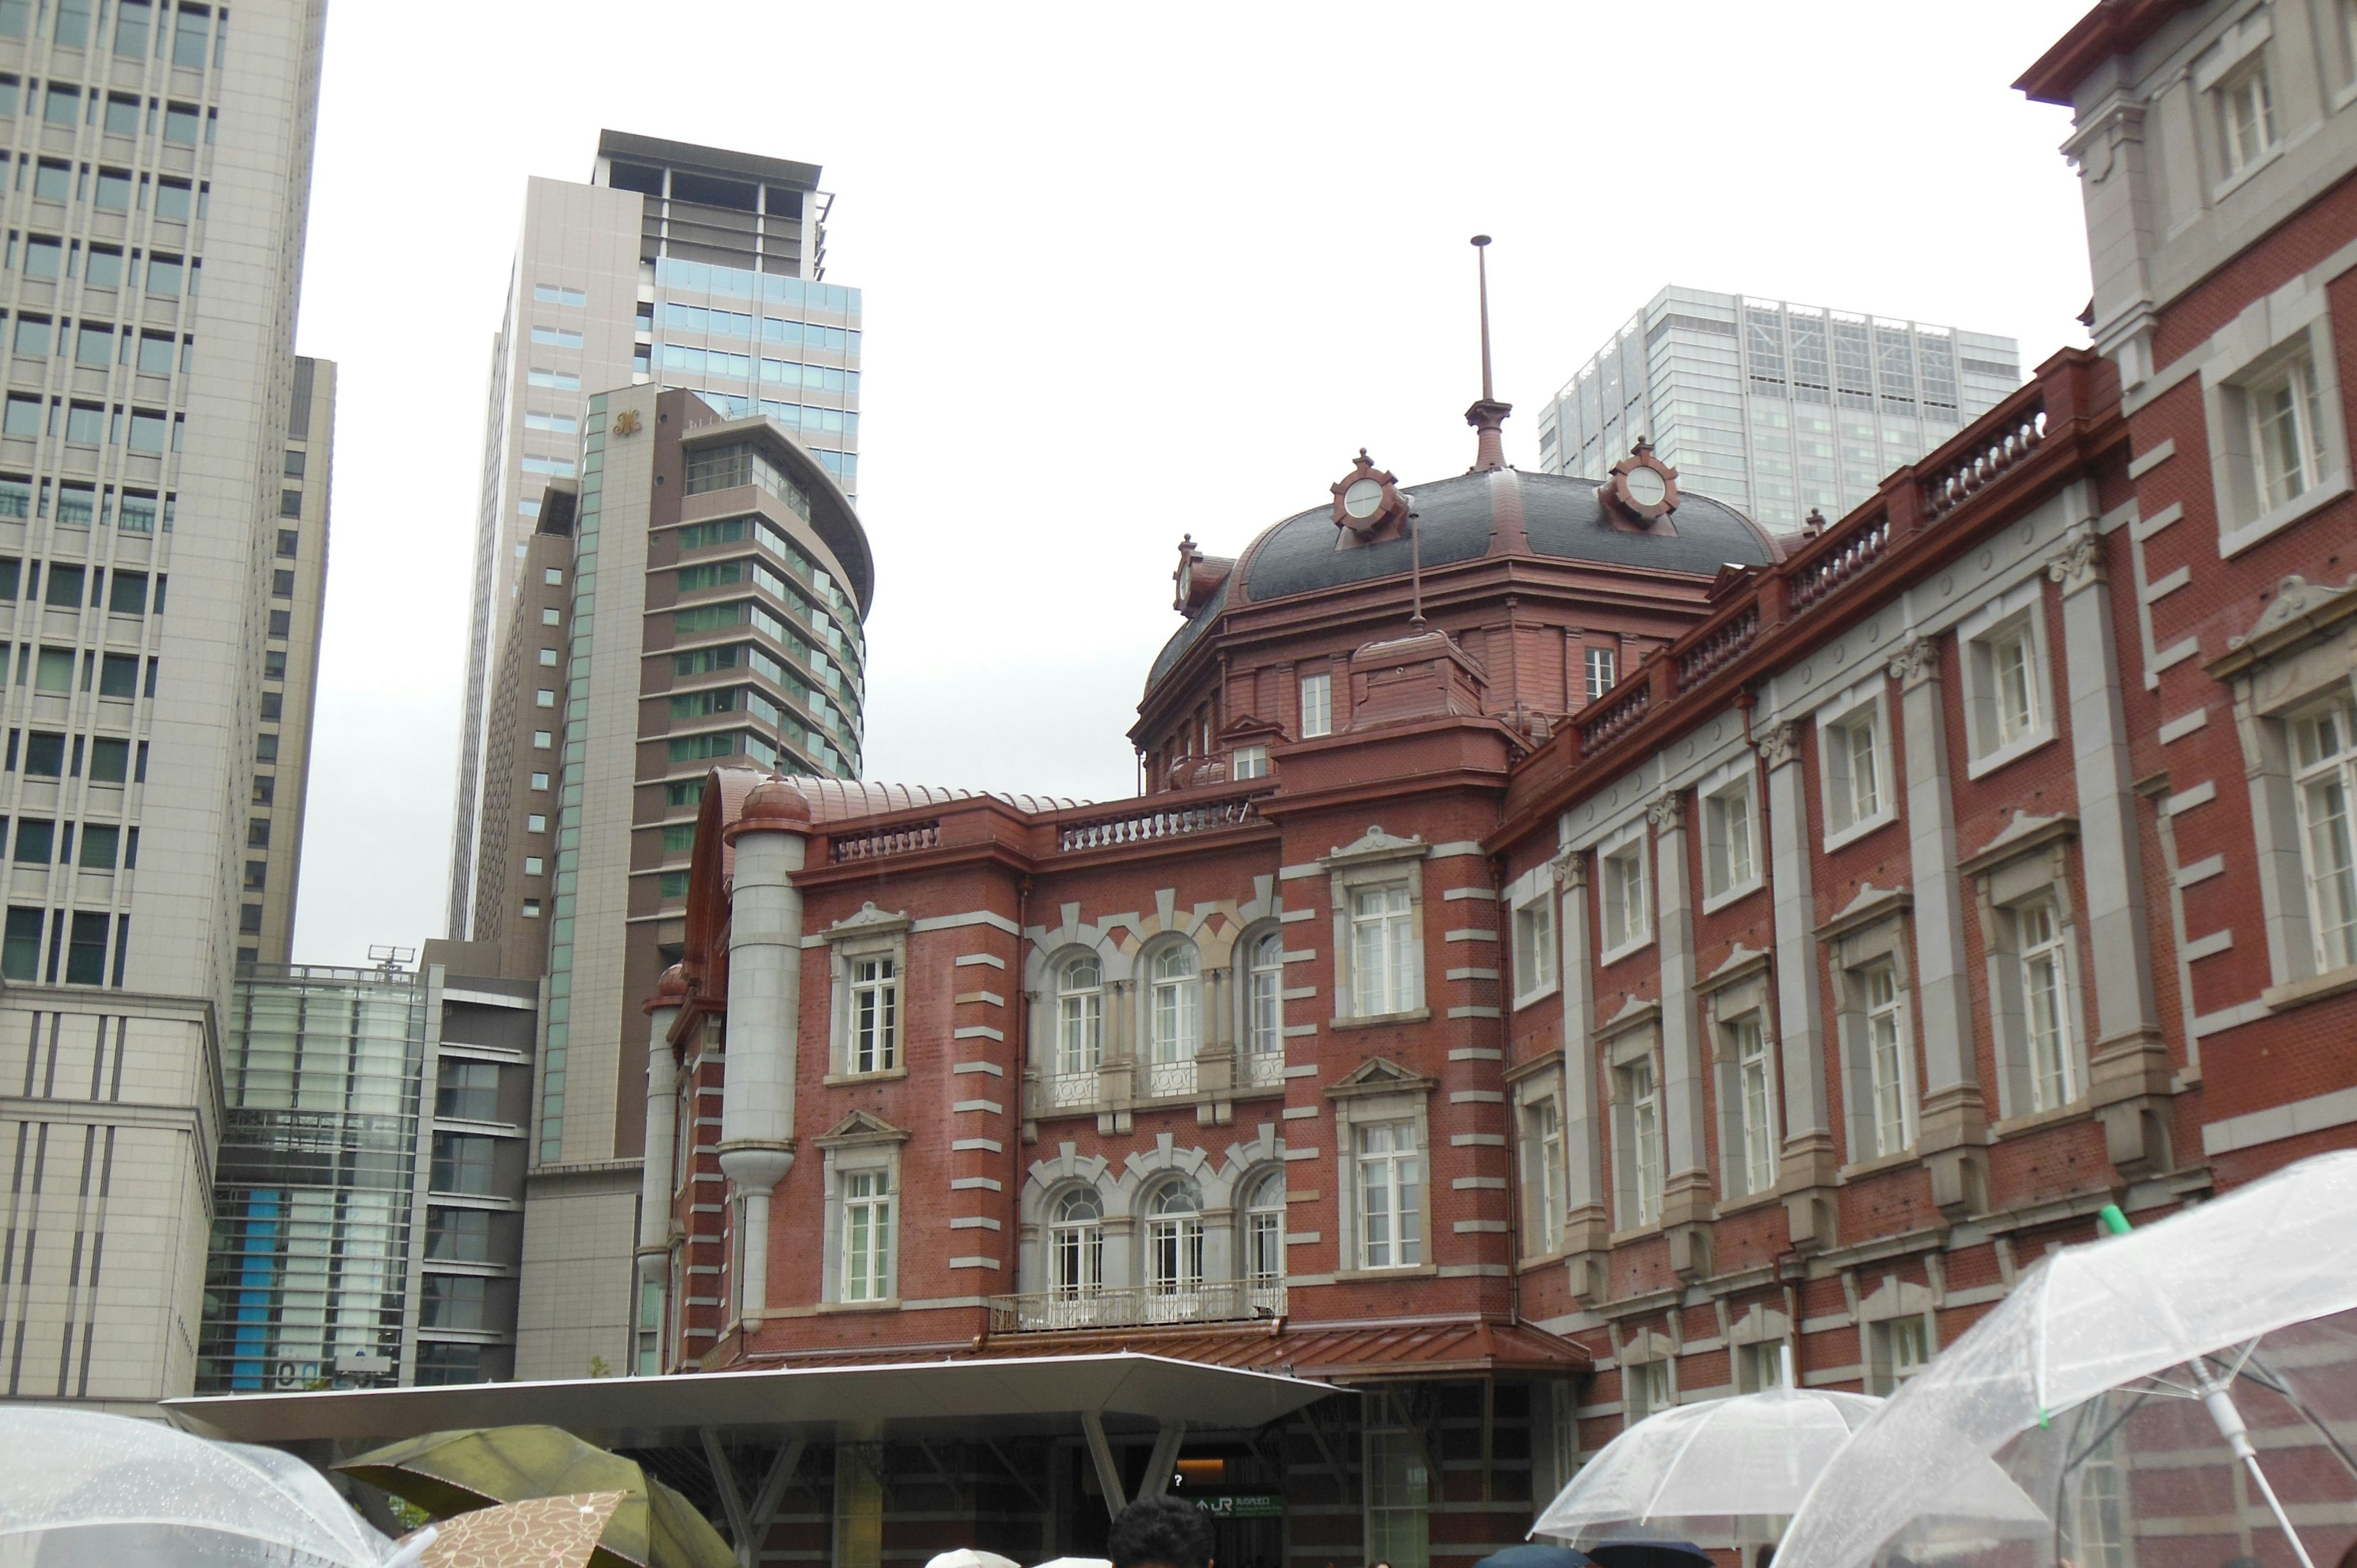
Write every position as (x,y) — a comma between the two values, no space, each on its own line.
(1575,944)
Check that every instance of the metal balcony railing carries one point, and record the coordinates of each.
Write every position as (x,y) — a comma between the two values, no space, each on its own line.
(1211,1301)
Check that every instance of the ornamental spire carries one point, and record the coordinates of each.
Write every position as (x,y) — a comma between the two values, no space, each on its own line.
(1487,415)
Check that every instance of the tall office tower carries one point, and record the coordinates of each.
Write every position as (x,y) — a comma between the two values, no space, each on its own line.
(698,597)
(1774,408)
(365,1233)
(162,174)
(676,265)
(290,669)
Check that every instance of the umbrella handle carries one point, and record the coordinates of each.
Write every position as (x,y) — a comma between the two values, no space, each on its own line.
(2229,1421)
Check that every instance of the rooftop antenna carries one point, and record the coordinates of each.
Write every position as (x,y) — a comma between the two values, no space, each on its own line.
(392,959)
(1488,414)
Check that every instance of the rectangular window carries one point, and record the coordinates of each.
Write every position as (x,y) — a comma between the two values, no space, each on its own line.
(1535,946)
(1755,1093)
(867,1236)
(555,338)
(110,760)
(64,588)
(1644,1389)
(93,345)
(1857,770)
(86,950)
(1382,950)
(465,1163)
(1544,1178)
(468,1090)
(22,417)
(100,843)
(2246,117)
(45,755)
(172,200)
(1390,1197)
(536,823)
(2324,762)
(1628,905)
(2287,432)
(875,1014)
(552,294)
(1640,1098)
(20,951)
(1886,1060)
(1603,670)
(1902,1347)
(122,115)
(52,181)
(118,676)
(1251,762)
(155,354)
(1399,1498)
(2046,1006)
(459,1236)
(453,1301)
(54,673)
(37,841)
(534,865)
(1730,855)
(1316,705)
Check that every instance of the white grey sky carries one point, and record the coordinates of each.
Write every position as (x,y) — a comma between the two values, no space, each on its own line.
(1130,271)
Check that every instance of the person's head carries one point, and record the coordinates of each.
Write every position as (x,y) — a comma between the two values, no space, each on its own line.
(1161,1532)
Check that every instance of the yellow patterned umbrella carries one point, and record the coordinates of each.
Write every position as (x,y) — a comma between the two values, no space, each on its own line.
(544,1532)
(452,1473)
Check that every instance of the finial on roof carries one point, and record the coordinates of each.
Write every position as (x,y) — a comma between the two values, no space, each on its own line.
(1488,415)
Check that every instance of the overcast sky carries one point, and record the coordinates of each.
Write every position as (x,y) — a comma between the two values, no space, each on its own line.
(1130,273)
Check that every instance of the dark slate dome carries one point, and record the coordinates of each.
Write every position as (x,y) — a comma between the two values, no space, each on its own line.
(1467,516)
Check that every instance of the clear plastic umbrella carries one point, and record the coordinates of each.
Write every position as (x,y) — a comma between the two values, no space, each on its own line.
(2186,1391)
(1733,1468)
(83,1490)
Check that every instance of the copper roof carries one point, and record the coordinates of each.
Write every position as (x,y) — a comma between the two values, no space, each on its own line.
(836,800)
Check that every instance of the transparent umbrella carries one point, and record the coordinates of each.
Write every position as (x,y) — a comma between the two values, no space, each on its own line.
(2186,1393)
(1730,1469)
(82,1490)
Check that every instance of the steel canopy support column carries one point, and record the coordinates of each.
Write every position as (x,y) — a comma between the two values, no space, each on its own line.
(1108,1473)
(1166,1457)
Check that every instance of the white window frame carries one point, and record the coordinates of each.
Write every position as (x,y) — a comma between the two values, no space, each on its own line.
(1995,731)
(1729,796)
(868,936)
(1544,1175)
(1530,923)
(869,1208)
(1408,1197)
(1377,861)
(1317,704)
(1249,762)
(1261,1041)
(1751,1060)
(2245,106)
(860,1145)
(1172,1022)
(1382,948)
(2042,950)
(1078,1240)
(1600,667)
(1624,884)
(1887,1046)
(2332,930)
(1639,1127)
(874,1046)
(1864,706)
(2244,357)
(1261,1239)
(2029,928)
(1174,1240)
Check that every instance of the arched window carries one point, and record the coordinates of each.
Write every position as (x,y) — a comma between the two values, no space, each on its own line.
(1174,1239)
(1264,1242)
(1178,1006)
(1076,1244)
(1264,1012)
(1080,1030)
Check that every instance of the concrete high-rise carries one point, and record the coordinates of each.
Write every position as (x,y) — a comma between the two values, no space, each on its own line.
(677,266)
(1774,408)
(695,597)
(142,446)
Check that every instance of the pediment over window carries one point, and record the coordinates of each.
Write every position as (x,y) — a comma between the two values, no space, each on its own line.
(2021,836)
(2301,611)
(1871,904)
(1379,1075)
(1376,844)
(868,923)
(859,1128)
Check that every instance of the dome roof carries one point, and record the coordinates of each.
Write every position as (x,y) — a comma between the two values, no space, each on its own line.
(1467,516)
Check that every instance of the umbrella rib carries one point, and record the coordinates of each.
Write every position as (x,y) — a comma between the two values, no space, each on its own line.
(1669,1469)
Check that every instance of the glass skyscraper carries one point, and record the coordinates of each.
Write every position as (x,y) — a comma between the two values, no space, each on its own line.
(1775,408)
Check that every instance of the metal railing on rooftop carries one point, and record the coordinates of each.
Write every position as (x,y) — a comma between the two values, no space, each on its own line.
(1133,1306)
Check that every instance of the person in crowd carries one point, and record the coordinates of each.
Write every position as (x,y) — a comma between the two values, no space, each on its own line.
(1161,1532)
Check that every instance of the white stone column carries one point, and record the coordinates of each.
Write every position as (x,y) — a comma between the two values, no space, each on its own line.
(763,1052)
(1954,1128)
(1588,1223)
(663,1130)
(1811,1155)
(2129,1066)
(1687,1191)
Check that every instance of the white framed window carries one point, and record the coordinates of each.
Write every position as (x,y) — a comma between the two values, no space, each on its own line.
(1639,1086)
(2045,964)
(1755,1090)
(1900,1348)
(1175,1004)
(1535,946)
(1383,950)
(1730,834)
(2002,648)
(1544,1175)
(1603,670)
(1889,1073)
(867,1228)
(1316,705)
(1080,1017)
(1854,754)
(2324,782)
(1264,1238)
(1644,1391)
(1264,1063)
(1076,1244)
(1174,1240)
(875,1014)
(1625,891)
(1250,762)
(2286,430)
(2246,116)
(1391,1187)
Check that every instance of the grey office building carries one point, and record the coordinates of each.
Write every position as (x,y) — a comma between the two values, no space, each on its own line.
(1775,408)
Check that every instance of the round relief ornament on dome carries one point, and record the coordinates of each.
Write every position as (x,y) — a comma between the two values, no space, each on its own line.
(1643,490)
(1363,498)
(1367,500)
